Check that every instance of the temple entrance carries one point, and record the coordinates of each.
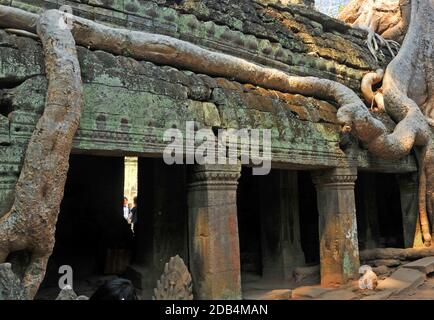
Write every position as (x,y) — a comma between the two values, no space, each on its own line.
(379,213)
(271,227)
(162,222)
(309,229)
(92,235)
(95,239)
(249,222)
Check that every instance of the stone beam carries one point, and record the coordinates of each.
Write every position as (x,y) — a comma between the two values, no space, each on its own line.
(339,252)
(213,228)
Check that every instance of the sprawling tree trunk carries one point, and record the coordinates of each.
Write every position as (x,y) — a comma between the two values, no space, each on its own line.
(40,187)
(407,84)
(30,225)
(389,18)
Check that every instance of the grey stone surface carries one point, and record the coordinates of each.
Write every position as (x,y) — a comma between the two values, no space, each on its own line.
(425,265)
(338,295)
(309,273)
(385,262)
(382,295)
(67,293)
(279,294)
(401,280)
(10,286)
(309,292)
(381,270)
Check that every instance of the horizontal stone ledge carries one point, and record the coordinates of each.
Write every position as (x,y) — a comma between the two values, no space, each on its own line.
(396,253)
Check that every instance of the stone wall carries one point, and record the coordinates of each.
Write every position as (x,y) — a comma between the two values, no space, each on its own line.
(290,37)
(129,104)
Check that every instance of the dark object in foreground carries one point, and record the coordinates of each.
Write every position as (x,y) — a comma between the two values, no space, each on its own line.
(117,289)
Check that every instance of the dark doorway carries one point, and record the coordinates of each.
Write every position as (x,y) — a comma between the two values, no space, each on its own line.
(269,224)
(379,214)
(162,228)
(249,221)
(309,228)
(91,234)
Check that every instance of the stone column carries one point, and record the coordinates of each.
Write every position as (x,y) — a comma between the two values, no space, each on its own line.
(408,187)
(213,229)
(339,252)
(281,244)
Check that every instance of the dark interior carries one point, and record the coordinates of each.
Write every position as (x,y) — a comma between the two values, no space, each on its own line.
(257,197)
(90,228)
(249,221)
(93,237)
(309,229)
(379,216)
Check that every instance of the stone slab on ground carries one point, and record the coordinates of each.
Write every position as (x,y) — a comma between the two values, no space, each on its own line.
(281,294)
(309,292)
(385,262)
(338,295)
(267,284)
(307,274)
(382,295)
(402,279)
(381,270)
(424,265)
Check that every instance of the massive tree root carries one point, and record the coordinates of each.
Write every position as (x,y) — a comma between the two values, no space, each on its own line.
(30,224)
(375,99)
(408,81)
(53,136)
(388,18)
(386,22)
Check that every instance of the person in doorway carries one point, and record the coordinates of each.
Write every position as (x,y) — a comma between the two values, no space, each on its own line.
(133,216)
(130,207)
(126,209)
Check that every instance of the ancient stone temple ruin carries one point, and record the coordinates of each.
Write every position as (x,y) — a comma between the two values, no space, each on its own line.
(325,200)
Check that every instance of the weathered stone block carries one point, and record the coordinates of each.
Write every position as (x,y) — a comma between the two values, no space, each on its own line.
(383,295)
(309,292)
(279,294)
(401,280)
(338,295)
(424,265)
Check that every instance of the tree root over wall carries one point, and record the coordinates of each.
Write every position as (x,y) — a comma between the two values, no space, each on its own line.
(31,223)
(408,85)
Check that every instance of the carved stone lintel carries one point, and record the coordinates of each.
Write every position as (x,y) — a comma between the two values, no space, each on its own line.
(215,175)
(338,177)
